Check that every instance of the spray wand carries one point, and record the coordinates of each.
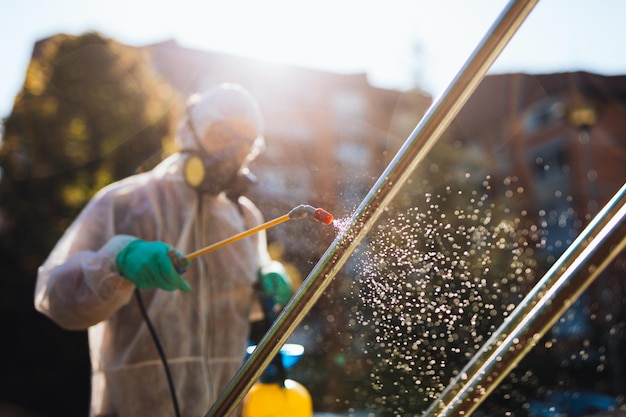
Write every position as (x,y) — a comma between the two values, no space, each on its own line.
(299,212)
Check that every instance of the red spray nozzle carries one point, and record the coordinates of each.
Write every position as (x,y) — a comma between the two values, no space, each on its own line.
(322,216)
(300,212)
(318,214)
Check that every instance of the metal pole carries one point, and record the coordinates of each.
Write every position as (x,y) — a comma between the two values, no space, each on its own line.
(585,259)
(411,154)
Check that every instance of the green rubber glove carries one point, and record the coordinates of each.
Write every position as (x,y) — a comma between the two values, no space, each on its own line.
(275,282)
(148,265)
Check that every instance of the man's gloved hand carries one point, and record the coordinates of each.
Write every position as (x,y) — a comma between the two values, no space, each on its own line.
(275,282)
(148,265)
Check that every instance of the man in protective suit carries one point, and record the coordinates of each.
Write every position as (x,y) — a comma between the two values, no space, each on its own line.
(124,239)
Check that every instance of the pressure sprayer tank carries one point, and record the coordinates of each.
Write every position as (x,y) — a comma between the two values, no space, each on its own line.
(276,397)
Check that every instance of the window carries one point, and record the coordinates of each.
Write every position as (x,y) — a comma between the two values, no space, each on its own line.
(543,114)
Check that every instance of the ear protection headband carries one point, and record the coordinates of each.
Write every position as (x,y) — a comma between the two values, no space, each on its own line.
(194,170)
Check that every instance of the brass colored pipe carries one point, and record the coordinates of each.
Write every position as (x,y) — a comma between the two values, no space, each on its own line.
(575,270)
(411,154)
(239,236)
(299,212)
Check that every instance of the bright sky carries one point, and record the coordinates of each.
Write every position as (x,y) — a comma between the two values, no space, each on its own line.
(399,43)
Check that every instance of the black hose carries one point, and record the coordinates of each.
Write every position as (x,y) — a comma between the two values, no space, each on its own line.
(157,343)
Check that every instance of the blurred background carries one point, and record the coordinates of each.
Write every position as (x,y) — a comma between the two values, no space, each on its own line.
(90,95)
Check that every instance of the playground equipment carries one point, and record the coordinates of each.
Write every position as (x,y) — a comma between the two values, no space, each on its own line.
(598,245)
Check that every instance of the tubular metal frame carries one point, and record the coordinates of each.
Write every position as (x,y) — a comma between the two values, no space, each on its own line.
(586,258)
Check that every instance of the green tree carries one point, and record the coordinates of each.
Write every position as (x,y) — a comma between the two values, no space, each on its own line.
(90,112)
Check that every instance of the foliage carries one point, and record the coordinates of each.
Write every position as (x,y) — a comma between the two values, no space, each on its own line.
(90,112)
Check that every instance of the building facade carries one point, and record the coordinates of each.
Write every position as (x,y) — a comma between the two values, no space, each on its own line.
(563,138)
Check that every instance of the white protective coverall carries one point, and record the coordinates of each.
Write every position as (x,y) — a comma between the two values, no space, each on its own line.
(203,332)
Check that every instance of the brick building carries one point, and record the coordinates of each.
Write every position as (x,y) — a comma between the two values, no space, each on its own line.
(330,135)
(563,137)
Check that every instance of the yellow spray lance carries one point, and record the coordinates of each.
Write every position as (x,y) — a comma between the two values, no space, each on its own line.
(299,212)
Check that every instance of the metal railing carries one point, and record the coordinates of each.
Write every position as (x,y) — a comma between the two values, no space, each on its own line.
(565,281)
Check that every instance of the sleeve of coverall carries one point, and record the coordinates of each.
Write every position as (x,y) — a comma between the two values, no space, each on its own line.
(78,285)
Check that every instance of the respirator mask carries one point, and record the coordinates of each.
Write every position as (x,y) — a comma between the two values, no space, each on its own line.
(214,173)
(217,162)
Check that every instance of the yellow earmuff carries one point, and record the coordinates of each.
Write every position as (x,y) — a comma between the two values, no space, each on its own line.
(194,171)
